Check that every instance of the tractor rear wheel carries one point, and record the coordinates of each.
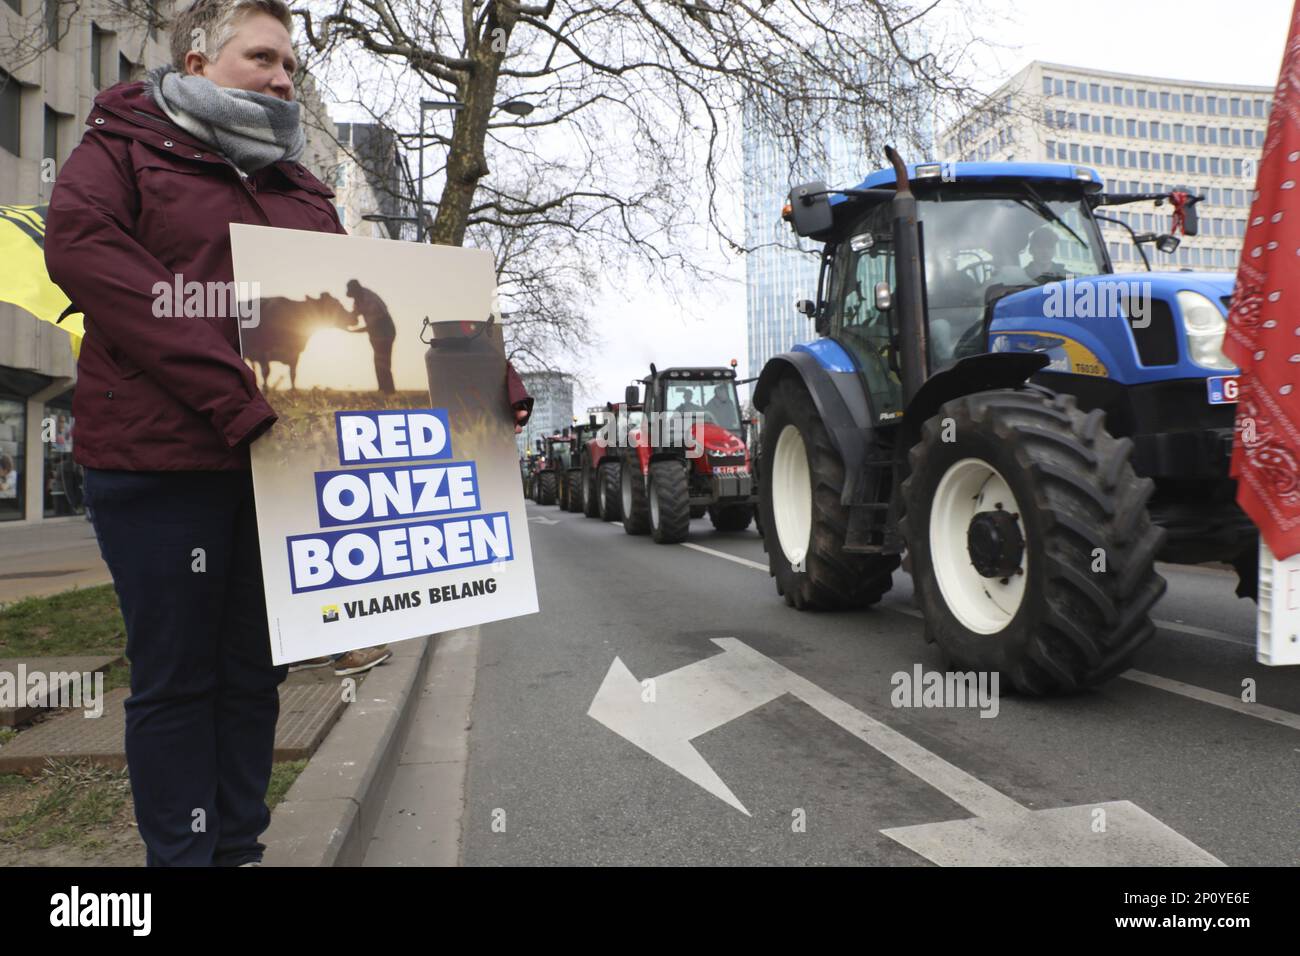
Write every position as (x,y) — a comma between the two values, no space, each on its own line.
(573,491)
(804,524)
(731,517)
(611,495)
(590,490)
(1031,549)
(670,502)
(634,506)
(546,488)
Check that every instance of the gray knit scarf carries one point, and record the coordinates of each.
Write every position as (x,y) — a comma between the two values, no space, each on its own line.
(252,130)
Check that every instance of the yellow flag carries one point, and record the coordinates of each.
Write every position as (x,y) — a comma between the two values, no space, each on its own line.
(23,279)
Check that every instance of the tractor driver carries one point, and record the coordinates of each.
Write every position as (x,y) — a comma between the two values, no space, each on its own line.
(1041,267)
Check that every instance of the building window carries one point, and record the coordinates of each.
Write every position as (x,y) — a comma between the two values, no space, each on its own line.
(1210,104)
(96,56)
(1236,137)
(51,149)
(1187,102)
(1070,90)
(1047,86)
(1108,125)
(1058,87)
(13,432)
(1200,104)
(1117,95)
(51,21)
(1074,152)
(1165,132)
(1259,108)
(1164,100)
(11,101)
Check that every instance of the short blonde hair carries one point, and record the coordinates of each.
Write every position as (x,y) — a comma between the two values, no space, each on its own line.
(216,21)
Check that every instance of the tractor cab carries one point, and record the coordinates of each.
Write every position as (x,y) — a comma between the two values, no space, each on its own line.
(987,230)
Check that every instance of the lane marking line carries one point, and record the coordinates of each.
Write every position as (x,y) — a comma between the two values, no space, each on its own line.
(1263,712)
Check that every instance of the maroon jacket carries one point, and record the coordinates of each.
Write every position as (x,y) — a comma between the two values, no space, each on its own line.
(138,201)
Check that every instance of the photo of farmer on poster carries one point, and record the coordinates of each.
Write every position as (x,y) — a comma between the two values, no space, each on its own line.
(388,499)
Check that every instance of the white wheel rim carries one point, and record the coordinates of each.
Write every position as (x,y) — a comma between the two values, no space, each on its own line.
(980,604)
(792,495)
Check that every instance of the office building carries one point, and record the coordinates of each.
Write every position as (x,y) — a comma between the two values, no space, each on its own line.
(552,406)
(1142,134)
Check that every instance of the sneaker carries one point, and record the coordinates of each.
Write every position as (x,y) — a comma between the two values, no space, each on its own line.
(360,661)
(308,665)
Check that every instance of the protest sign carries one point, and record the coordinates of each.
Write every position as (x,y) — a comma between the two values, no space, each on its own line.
(388,497)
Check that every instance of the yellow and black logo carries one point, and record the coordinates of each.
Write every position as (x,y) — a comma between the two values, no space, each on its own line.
(329,613)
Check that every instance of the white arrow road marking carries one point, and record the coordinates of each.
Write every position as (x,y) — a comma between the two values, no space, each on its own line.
(700,697)
(538,519)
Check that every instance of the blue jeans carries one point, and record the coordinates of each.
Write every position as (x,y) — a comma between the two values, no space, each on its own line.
(200,720)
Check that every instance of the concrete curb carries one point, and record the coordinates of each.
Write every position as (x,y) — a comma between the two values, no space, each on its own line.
(329,814)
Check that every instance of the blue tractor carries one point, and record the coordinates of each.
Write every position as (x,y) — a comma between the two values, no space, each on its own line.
(988,397)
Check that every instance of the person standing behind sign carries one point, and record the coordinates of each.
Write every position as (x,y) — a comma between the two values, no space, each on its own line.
(166,409)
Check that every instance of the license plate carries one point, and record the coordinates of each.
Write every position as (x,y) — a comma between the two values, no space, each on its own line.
(1222,389)
(730,470)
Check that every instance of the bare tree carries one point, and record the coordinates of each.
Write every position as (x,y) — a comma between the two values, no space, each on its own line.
(651,86)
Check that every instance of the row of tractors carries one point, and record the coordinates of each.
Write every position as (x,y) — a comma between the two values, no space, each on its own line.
(987,404)
(675,448)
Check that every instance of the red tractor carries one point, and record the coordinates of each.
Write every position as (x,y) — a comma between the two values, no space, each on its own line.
(687,456)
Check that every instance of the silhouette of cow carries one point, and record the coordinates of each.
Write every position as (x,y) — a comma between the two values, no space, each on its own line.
(284,327)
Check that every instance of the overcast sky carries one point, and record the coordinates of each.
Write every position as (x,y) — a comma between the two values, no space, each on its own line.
(1210,40)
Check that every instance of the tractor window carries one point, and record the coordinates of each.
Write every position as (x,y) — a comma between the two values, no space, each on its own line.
(711,400)
(862,260)
(976,240)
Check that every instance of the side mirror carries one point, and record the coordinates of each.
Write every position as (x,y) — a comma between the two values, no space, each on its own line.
(1167,244)
(884,297)
(810,208)
(805,307)
(1191,221)
(632,395)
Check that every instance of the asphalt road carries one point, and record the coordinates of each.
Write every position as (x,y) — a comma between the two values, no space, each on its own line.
(1179,774)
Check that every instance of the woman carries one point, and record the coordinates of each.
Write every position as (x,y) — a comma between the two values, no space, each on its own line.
(166,408)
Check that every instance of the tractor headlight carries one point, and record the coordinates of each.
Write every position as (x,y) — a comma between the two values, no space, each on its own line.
(1205,327)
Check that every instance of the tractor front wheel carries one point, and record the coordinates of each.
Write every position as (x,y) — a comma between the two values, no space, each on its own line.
(546,488)
(635,507)
(731,517)
(590,491)
(804,524)
(611,495)
(670,502)
(1031,549)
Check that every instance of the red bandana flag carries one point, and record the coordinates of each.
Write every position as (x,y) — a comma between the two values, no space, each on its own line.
(1264,325)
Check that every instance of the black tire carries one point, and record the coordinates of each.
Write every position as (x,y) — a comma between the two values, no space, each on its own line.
(699,511)
(546,488)
(1081,617)
(633,504)
(590,490)
(731,517)
(670,502)
(830,579)
(610,503)
(573,491)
